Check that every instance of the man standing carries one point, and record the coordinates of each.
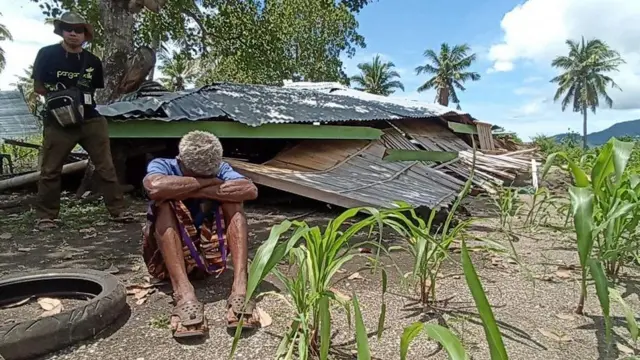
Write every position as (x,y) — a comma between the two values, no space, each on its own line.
(194,216)
(64,66)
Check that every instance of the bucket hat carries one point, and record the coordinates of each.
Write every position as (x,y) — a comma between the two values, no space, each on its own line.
(72,18)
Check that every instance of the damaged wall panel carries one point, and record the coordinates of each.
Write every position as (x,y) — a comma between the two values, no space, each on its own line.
(359,177)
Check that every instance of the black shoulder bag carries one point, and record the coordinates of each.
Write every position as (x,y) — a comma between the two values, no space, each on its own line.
(66,106)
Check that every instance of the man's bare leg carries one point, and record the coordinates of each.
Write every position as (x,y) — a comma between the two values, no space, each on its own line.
(237,233)
(237,238)
(168,238)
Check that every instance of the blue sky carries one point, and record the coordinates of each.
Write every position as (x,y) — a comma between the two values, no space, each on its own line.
(514,41)
(520,99)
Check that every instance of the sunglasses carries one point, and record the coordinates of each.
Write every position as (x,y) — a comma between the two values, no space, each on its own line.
(73,28)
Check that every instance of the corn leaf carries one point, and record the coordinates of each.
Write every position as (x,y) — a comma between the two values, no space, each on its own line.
(582,210)
(629,314)
(325,328)
(409,333)
(491,330)
(448,340)
(602,290)
(362,339)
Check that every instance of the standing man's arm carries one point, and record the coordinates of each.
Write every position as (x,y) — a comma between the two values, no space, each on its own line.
(38,73)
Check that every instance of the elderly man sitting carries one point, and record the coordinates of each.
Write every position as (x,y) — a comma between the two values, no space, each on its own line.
(195,218)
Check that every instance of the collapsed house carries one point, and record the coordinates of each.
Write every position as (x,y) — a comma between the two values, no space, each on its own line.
(322,141)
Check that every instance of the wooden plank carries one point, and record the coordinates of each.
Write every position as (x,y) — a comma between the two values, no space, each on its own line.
(231,129)
(462,128)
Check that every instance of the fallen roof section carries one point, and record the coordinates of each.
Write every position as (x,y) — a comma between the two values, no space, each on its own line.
(352,173)
(255,105)
(16,121)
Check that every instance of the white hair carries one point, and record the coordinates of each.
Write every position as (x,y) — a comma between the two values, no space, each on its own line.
(201,153)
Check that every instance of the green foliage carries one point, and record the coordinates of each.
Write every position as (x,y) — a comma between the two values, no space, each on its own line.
(507,202)
(377,77)
(24,84)
(23,158)
(4,35)
(606,213)
(314,261)
(449,70)
(178,70)
(584,81)
(445,337)
(250,41)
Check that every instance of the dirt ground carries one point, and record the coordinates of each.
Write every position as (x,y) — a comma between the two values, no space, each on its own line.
(533,301)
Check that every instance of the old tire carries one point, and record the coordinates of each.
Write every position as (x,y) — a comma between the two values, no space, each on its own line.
(30,338)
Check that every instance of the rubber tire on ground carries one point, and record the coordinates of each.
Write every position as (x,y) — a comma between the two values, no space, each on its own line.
(30,338)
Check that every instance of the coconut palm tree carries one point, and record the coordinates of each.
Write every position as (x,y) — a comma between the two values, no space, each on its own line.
(24,83)
(5,34)
(377,77)
(449,70)
(178,69)
(583,82)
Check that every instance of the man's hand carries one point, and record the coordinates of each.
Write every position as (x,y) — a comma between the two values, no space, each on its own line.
(229,191)
(168,187)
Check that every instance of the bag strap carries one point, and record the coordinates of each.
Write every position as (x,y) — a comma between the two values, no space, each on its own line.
(85,60)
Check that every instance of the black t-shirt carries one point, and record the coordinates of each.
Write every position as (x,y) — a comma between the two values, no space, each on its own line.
(55,66)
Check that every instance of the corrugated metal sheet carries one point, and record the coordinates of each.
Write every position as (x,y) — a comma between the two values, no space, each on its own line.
(257,104)
(353,175)
(16,122)
(394,104)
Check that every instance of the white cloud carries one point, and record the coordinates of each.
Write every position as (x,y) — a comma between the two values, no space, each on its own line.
(536,31)
(30,33)
(26,24)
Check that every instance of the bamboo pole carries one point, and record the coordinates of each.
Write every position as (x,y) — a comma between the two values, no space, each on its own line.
(35,176)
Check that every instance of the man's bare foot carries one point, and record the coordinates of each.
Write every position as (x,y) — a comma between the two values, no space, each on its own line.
(237,310)
(187,318)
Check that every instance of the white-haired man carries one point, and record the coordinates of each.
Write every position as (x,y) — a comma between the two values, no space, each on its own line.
(195,217)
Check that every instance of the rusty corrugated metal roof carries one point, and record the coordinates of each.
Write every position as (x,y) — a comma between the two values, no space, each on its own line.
(16,122)
(255,105)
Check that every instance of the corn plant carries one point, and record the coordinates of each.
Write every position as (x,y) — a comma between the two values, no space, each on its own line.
(605,215)
(629,314)
(541,204)
(429,248)
(506,202)
(316,260)
(450,342)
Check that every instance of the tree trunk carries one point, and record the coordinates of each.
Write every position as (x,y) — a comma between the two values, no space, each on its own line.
(584,128)
(118,23)
(443,96)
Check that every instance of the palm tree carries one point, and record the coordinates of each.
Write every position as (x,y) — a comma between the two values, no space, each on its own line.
(24,83)
(377,77)
(449,72)
(583,81)
(5,34)
(178,70)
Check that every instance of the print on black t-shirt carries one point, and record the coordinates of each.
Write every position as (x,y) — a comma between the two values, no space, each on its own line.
(54,66)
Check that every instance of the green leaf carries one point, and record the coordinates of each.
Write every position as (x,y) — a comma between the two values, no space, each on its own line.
(629,314)
(325,327)
(362,339)
(491,330)
(582,210)
(383,307)
(602,290)
(409,333)
(448,340)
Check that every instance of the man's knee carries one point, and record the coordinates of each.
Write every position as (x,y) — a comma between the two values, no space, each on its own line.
(165,219)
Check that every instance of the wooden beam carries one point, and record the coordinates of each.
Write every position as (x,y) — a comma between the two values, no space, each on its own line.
(230,129)
(462,128)
(419,155)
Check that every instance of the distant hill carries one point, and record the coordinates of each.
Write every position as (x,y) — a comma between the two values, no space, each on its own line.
(626,128)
